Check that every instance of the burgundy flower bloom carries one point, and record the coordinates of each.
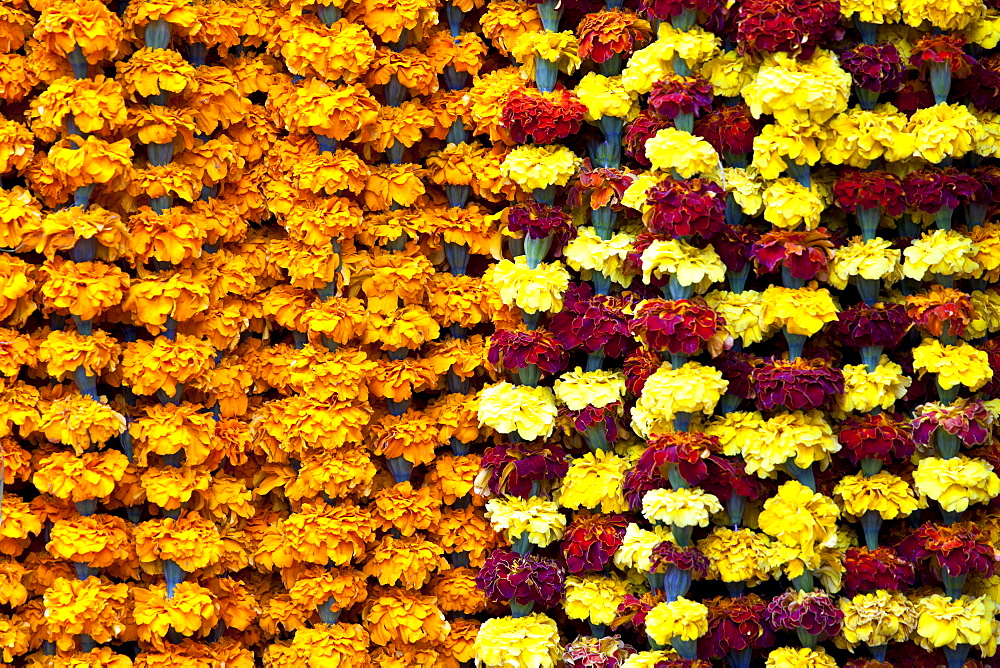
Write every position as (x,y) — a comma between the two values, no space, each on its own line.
(590,652)
(882,325)
(605,417)
(960,549)
(513,467)
(982,86)
(855,189)
(638,482)
(885,437)
(735,624)
(880,569)
(667,9)
(805,254)
(514,349)
(686,207)
(594,323)
(675,95)
(815,612)
(543,117)
(733,244)
(507,576)
(874,67)
(685,450)
(912,95)
(591,542)
(804,384)
(638,131)
(737,367)
(966,418)
(793,26)
(942,48)
(727,476)
(639,366)
(933,188)
(729,129)
(633,609)
(684,558)
(992,349)
(987,179)
(675,325)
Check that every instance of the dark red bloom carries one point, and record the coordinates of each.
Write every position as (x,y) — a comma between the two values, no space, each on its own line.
(793,26)
(687,451)
(686,207)
(881,569)
(638,131)
(591,542)
(544,117)
(675,325)
(874,67)
(513,467)
(605,417)
(684,558)
(804,253)
(942,49)
(885,437)
(607,33)
(737,368)
(804,384)
(729,129)
(961,549)
(733,244)
(982,86)
(992,349)
(939,308)
(675,95)
(638,482)
(735,624)
(507,576)
(815,612)
(882,325)
(667,9)
(933,188)
(513,349)
(639,366)
(855,189)
(727,476)
(538,221)
(633,609)
(912,95)
(987,179)
(966,418)
(594,323)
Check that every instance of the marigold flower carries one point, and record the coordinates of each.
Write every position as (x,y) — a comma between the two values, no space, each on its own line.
(800,657)
(884,493)
(945,622)
(90,476)
(79,421)
(800,518)
(89,25)
(90,606)
(736,555)
(406,617)
(605,34)
(956,483)
(66,351)
(537,167)
(802,311)
(952,16)
(689,389)
(793,90)
(954,364)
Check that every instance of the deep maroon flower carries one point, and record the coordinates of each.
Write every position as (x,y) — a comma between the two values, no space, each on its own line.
(681,662)
(638,482)
(675,325)
(594,323)
(735,624)
(590,652)
(804,384)
(992,349)
(514,349)
(882,325)
(987,179)
(982,86)
(513,467)
(856,189)
(729,129)
(933,188)
(633,609)
(885,436)
(733,244)
(590,542)
(793,26)
(689,558)
(667,9)
(675,95)
(912,95)
(727,477)
(804,253)
(967,419)
(639,366)
(685,452)
(538,221)
(909,655)
(866,571)
(737,367)
(605,417)
(644,127)
(874,67)
(961,549)
(507,576)
(815,612)
(543,117)
(685,207)
(942,49)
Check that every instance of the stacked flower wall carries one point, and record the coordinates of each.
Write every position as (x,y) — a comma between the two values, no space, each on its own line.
(393,333)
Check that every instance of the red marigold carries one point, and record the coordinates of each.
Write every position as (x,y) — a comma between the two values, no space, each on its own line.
(544,117)
(675,325)
(793,26)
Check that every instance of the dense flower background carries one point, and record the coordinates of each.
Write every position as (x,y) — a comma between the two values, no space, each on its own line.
(520,334)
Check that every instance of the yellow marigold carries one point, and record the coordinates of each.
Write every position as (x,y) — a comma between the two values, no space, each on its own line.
(17,350)
(747,188)
(534,517)
(594,598)
(335,112)
(579,389)
(388,19)
(884,493)
(170,487)
(686,263)
(405,509)
(96,105)
(956,483)
(694,46)
(560,48)
(986,313)
(65,351)
(953,364)
(858,137)
(741,312)
(19,524)
(411,436)
(945,252)
(736,555)
(173,428)
(767,444)
(874,259)
(648,659)
(190,609)
(456,416)
(90,476)
(96,540)
(532,290)
(606,96)
(799,657)
(595,480)
(531,641)
(462,300)
(691,388)
(647,66)
(588,253)
(91,606)
(19,213)
(297,424)
(190,541)
(877,618)
(681,619)
(408,562)
(529,411)
(60,230)
(788,204)
(83,162)
(686,154)
(456,591)
(343,50)
(151,71)
(986,241)
(339,319)
(317,585)
(83,289)
(403,616)
(872,11)
(686,507)
(729,73)
(801,310)
(407,327)
(388,184)
(489,94)
(89,24)
(536,167)
(949,16)
(800,518)
(798,90)
(866,390)
(505,21)
(637,547)
(943,131)
(79,421)
(779,145)
(148,366)
(943,621)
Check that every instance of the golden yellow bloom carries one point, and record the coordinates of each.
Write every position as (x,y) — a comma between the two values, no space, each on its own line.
(943,252)
(172,428)
(408,562)
(336,112)
(530,411)
(683,619)
(92,160)
(388,19)
(343,50)
(594,598)
(959,364)
(531,641)
(694,46)
(402,616)
(729,73)
(606,96)
(686,263)
(688,155)
(79,421)
(505,21)
(691,388)
(405,509)
(637,547)
(190,610)
(90,476)
(686,507)
(954,15)
(532,290)
(800,518)
(595,480)
(560,48)
(190,541)
(456,591)
(956,483)
(788,204)
(91,606)
(802,311)
(89,24)
(736,555)
(60,230)
(866,390)
(800,657)
(948,622)
(943,131)
(533,167)
(877,618)
(538,518)
(97,540)
(874,259)
(884,493)
(798,90)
